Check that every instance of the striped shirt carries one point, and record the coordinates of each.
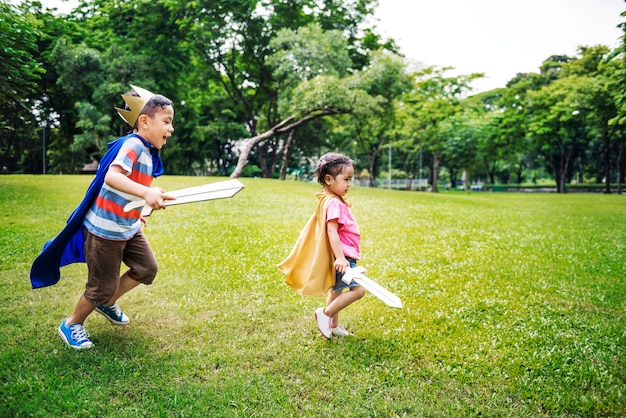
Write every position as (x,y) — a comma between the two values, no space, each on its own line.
(106,217)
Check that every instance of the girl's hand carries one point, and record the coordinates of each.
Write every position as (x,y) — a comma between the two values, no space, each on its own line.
(341,265)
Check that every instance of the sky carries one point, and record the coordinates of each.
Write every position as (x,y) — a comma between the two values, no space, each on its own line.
(497,37)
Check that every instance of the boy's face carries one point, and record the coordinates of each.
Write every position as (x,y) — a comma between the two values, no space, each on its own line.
(157,129)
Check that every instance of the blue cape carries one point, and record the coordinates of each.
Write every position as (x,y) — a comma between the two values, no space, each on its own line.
(68,247)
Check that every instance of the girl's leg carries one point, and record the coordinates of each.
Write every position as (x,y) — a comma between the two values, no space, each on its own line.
(336,301)
(329,300)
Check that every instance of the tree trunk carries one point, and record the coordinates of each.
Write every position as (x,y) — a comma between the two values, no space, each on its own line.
(287,154)
(607,161)
(262,154)
(620,167)
(519,173)
(464,179)
(491,170)
(245,152)
(372,167)
(274,155)
(436,161)
(283,127)
(560,166)
(453,177)
(560,176)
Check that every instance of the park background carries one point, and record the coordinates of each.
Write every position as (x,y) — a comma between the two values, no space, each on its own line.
(262,88)
(514,302)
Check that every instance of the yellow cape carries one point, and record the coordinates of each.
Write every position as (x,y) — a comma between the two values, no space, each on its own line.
(309,268)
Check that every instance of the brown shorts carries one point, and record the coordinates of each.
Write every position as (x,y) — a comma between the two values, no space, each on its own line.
(104,258)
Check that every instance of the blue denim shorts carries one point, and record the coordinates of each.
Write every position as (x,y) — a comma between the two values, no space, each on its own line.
(339,284)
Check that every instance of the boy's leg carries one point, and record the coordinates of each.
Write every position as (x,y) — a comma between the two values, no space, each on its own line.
(126,284)
(81,311)
(71,329)
(103,259)
(110,310)
(142,264)
(138,256)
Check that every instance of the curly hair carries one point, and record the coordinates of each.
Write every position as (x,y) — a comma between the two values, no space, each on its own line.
(332,163)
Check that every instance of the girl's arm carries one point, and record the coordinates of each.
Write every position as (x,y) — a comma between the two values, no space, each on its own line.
(341,264)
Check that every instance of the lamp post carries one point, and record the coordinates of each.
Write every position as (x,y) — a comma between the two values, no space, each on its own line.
(389,168)
(420,181)
(43,142)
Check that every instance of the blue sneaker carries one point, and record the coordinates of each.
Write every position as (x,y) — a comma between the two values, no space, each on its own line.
(75,336)
(114,314)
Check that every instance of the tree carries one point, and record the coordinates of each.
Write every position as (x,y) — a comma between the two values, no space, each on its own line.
(616,67)
(558,123)
(300,56)
(318,97)
(434,99)
(385,80)
(232,41)
(569,116)
(20,71)
(466,133)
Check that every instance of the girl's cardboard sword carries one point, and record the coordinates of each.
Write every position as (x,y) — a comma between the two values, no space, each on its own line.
(374,288)
(209,191)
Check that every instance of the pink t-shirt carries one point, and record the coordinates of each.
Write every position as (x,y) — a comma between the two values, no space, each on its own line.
(348,230)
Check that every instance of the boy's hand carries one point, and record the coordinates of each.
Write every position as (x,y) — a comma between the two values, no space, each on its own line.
(155,197)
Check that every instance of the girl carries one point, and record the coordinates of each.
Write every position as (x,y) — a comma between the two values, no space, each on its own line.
(328,246)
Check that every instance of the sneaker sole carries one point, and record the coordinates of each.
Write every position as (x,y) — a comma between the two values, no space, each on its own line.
(340,333)
(112,321)
(75,347)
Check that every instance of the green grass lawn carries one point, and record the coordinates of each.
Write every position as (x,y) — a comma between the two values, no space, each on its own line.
(514,305)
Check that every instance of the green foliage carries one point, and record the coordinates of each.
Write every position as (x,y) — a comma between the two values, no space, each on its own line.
(301,55)
(431,106)
(240,72)
(557,128)
(18,35)
(514,306)
(95,128)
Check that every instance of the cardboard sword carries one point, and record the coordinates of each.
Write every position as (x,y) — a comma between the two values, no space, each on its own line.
(374,288)
(219,190)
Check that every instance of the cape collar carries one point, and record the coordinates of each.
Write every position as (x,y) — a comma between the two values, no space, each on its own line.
(157,163)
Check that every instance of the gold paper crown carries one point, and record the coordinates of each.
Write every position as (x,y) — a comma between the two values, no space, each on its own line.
(135,104)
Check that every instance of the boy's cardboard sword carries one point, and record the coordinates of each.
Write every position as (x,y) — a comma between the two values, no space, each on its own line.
(219,190)
(374,288)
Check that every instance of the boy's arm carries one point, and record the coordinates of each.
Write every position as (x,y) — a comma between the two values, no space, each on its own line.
(155,197)
(341,264)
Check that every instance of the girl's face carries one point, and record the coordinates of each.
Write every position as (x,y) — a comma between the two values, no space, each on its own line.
(158,129)
(340,184)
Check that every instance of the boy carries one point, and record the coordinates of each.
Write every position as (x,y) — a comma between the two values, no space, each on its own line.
(112,236)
